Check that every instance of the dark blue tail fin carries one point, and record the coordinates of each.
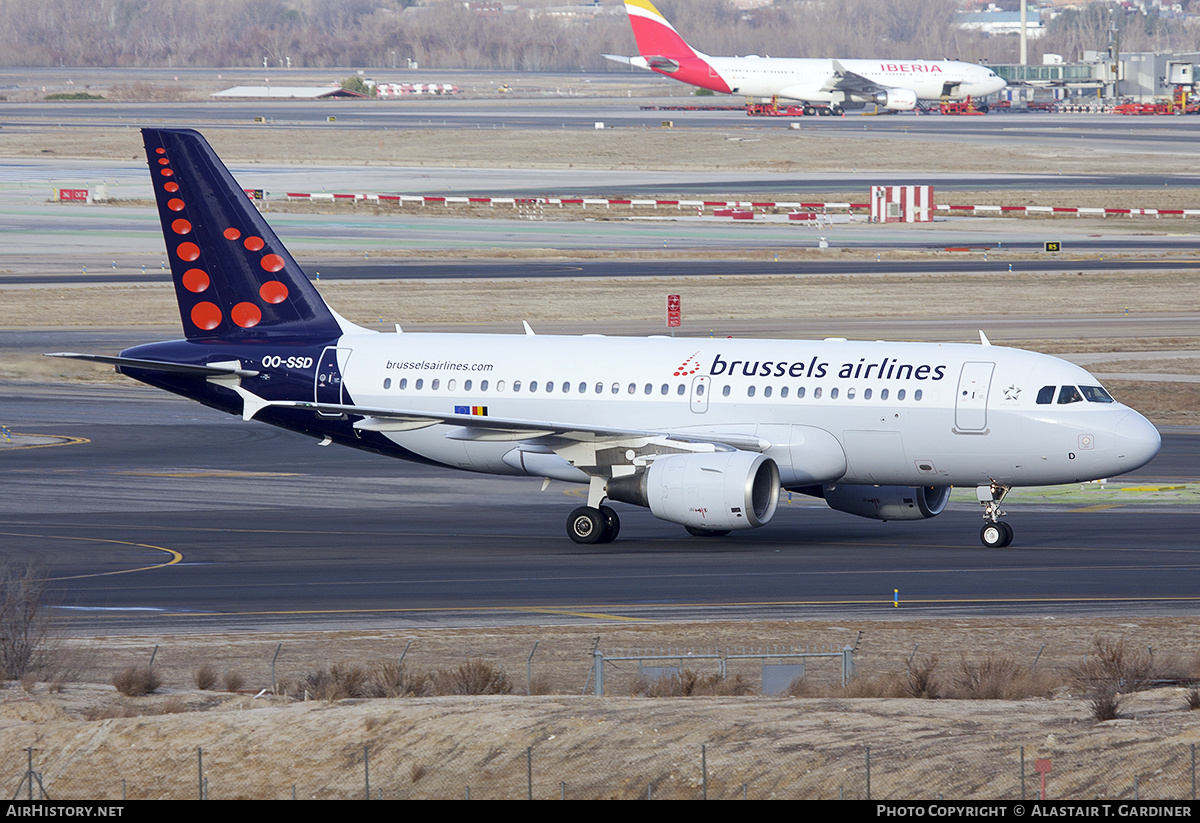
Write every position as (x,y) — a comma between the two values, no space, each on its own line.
(233,278)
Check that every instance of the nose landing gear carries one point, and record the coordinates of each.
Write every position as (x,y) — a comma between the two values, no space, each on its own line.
(995,534)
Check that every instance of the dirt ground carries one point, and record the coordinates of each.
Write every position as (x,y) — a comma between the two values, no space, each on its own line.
(88,739)
(89,742)
(740,149)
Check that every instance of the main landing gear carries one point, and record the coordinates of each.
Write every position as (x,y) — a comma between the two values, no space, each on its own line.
(995,534)
(595,522)
(592,524)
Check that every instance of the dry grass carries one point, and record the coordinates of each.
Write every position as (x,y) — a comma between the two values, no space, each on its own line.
(136,681)
(809,746)
(782,150)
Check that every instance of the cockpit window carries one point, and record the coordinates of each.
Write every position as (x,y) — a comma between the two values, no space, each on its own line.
(1045,395)
(1095,394)
(1069,394)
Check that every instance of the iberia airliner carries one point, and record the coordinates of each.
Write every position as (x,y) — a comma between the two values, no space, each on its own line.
(819,83)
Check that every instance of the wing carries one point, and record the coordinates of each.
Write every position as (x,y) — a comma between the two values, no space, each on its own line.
(556,435)
(849,82)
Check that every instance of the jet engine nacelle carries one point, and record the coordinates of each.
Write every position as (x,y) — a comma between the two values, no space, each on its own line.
(897,99)
(888,502)
(719,491)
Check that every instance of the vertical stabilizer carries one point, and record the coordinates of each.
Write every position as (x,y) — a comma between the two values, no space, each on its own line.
(655,36)
(233,278)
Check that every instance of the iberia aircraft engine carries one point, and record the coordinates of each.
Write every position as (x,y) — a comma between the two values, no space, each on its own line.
(898,99)
(707,492)
(888,502)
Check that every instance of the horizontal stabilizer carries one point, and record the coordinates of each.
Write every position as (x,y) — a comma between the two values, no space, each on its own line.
(158,365)
(616,58)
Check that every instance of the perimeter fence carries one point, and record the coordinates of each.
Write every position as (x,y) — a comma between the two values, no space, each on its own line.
(552,769)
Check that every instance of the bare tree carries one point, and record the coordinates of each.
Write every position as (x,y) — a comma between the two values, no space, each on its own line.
(24,625)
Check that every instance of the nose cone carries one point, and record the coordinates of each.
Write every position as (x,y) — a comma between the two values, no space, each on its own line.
(989,85)
(1138,442)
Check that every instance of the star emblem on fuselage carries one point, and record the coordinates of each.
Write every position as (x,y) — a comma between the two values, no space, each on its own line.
(1012,393)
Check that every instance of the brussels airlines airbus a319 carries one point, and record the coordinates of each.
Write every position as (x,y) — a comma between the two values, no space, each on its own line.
(834,84)
(703,432)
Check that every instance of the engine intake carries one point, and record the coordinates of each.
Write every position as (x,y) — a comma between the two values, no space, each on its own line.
(888,502)
(716,492)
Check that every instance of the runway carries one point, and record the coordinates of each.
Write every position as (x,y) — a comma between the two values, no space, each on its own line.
(171,517)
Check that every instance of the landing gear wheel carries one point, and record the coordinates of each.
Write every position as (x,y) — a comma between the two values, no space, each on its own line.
(810,110)
(612,524)
(837,111)
(695,532)
(996,535)
(586,525)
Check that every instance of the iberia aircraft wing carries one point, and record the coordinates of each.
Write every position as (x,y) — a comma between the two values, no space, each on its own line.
(847,81)
(479,427)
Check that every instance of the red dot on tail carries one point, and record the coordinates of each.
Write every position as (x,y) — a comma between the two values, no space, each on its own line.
(188,251)
(272,262)
(175,204)
(181,226)
(195,280)
(161,150)
(246,315)
(232,234)
(166,173)
(171,186)
(273,292)
(206,316)
(162,161)
(253,243)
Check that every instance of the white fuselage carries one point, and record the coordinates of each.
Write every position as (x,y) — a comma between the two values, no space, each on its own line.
(807,79)
(827,411)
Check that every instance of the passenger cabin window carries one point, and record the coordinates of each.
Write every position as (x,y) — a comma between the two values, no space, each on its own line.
(1069,394)
(1045,395)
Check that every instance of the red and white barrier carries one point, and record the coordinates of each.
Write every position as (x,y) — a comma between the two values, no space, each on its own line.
(839,208)
(902,204)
